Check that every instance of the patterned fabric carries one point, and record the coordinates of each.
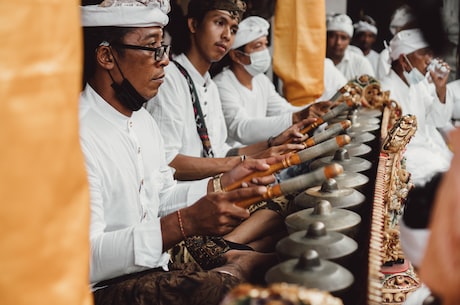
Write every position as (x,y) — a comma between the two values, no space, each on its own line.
(281,205)
(207,251)
(199,119)
(185,284)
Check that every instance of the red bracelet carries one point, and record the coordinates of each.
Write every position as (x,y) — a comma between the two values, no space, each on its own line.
(181,225)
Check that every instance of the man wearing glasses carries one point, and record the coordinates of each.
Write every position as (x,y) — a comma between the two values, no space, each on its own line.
(138,211)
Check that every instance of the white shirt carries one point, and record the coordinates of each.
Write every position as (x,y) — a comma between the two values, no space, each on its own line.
(131,187)
(453,89)
(172,109)
(333,80)
(354,65)
(252,115)
(373,58)
(427,153)
(255,115)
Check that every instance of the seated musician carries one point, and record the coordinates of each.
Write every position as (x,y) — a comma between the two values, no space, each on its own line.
(427,153)
(253,109)
(137,210)
(188,112)
(200,131)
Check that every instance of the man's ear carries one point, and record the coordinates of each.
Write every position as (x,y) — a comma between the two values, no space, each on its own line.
(192,25)
(234,55)
(104,57)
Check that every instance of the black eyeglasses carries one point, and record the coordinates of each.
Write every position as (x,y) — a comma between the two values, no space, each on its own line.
(158,53)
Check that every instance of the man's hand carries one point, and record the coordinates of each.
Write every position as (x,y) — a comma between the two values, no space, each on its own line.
(440,81)
(315,110)
(216,213)
(248,167)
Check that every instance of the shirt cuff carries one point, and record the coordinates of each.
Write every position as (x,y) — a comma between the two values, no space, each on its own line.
(148,245)
(197,190)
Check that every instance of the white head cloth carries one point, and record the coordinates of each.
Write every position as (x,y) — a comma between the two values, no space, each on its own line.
(363,26)
(401,17)
(126,13)
(250,29)
(405,42)
(340,22)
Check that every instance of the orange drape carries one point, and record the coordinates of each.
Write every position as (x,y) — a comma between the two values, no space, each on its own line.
(44,211)
(300,48)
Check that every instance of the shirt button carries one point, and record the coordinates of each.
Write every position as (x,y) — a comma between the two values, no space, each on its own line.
(138,150)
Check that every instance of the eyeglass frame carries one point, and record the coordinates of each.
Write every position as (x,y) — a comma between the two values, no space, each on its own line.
(158,52)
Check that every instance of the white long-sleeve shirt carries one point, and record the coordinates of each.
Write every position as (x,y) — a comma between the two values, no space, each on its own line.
(427,152)
(453,89)
(172,110)
(354,65)
(131,187)
(255,115)
(373,58)
(252,115)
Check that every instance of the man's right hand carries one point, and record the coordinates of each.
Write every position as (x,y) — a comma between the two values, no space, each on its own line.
(217,214)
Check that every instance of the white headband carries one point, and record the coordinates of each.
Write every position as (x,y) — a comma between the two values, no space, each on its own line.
(363,26)
(405,42)
(340,22)
(126,13)
(249,30)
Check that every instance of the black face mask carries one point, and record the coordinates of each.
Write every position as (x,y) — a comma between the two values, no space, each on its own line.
(128,95)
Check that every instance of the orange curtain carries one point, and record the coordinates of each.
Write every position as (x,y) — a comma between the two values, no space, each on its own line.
(44,250)
(300,48)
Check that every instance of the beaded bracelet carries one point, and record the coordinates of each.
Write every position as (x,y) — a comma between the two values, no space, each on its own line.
(181,225)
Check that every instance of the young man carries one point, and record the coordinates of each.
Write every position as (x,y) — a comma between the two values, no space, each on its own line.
(138,212)
(365,37)
(339,33)
(200,130)
(188,112)
(252,107)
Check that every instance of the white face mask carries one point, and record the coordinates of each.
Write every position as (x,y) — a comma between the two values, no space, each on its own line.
(414,76)
(260,62)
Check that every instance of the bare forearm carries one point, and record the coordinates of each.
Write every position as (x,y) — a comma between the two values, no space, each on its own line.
(193,168)
(441,93)
(253,149)
(171,231)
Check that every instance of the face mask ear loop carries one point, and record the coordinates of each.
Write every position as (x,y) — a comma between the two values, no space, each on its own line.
(110,74)
(408,61)
(245,54)
(118,66)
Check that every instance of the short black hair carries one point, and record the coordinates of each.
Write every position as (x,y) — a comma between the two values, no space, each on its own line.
(92,39)
(197,10)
